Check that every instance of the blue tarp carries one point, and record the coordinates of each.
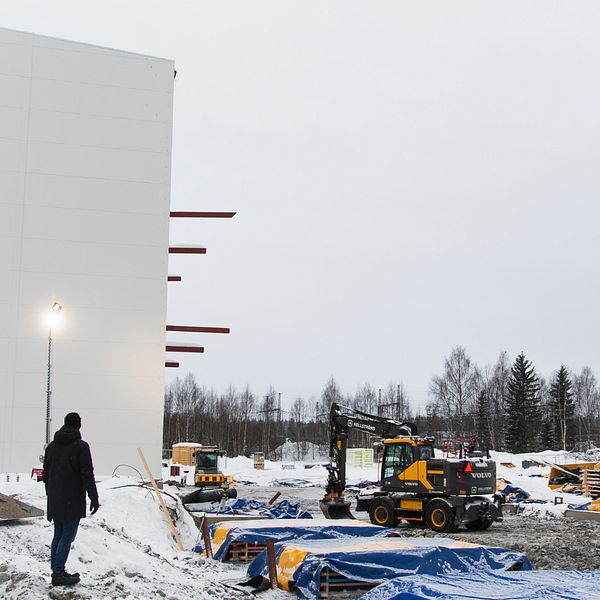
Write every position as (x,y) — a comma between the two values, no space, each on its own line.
(282,510)
(514,493)
(299,564)
(487,585)
(257,532)
(293,482)
(517,495)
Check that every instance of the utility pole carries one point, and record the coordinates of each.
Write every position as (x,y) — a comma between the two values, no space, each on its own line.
(268,411)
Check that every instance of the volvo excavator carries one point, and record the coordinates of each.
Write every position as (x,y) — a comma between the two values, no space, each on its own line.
(441,493)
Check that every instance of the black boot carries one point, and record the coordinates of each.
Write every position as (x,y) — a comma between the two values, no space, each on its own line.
(64,579)
(76,575)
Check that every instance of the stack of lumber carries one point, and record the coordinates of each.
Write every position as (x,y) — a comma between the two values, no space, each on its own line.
(591,483)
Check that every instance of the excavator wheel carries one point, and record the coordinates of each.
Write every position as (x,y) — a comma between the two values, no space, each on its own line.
(383,512)
(439,516)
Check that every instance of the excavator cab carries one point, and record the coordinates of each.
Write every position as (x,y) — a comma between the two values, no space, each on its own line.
(404,465)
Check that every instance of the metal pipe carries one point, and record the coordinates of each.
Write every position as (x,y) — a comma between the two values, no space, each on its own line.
(48,388)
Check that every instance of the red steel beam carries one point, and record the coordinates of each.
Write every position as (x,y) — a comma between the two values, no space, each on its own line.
(173,364)
(174,278)
(184,348)
(183,214)
(186,250)
(194,329)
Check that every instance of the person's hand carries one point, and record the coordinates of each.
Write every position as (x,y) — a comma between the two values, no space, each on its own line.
(94,506)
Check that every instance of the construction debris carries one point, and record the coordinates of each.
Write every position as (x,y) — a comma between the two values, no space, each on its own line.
(12,509)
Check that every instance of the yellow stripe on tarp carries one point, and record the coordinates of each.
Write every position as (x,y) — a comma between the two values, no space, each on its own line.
(388,544)
(220,535)
(288,562)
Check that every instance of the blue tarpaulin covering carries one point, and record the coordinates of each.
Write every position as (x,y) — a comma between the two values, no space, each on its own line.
(492,585)
(514,493)
(257,532)
(282,510)
(299,563)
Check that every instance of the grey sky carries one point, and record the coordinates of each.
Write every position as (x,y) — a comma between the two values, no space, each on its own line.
(407,176)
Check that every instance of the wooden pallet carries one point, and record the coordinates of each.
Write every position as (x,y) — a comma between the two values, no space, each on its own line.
(591,483)
(334,582)
(243,552)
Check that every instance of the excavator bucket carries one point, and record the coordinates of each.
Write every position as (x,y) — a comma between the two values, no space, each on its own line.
(336,509)
(12,509)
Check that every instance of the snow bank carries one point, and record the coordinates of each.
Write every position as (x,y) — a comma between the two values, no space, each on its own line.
(242,470)
(126,550)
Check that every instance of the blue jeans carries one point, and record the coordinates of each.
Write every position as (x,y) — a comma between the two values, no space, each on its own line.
(64,534)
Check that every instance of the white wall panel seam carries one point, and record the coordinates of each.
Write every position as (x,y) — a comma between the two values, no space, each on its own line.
(55,143)
(92,243)
(96,50)
(93,209)
(29,172)
(98,115)
(46,271)
(105,85)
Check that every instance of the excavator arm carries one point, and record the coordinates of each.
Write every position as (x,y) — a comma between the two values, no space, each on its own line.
(341,421)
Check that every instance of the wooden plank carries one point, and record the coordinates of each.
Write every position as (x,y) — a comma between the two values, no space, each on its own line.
(583,515)
(162,501)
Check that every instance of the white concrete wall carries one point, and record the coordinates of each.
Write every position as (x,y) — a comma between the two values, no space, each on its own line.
(85,166)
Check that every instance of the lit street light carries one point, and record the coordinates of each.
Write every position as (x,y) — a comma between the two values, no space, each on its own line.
(53,318)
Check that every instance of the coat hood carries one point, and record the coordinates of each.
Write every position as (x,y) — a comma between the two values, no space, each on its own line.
(67,435)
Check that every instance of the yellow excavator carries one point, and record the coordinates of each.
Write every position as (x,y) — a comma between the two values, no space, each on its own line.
(415,486)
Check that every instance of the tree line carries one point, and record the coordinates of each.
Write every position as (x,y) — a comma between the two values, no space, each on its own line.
(506,406)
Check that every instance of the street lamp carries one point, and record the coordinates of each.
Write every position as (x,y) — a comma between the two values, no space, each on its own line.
(52,321)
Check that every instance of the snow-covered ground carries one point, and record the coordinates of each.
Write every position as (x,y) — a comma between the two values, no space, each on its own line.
(124,551)
(127,551)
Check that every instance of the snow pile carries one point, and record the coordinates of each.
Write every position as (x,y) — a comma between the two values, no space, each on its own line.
(535,480)
(126,550)
(242,470)
(304,452)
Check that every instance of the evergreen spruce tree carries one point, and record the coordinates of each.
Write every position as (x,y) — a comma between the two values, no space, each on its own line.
(483,420)
(523,415)
(563,409)
(547,436)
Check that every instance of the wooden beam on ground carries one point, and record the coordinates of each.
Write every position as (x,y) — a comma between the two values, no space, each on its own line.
(162,501)
(206,538)
(272,564)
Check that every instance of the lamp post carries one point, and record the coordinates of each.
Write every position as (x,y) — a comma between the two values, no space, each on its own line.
(52,320)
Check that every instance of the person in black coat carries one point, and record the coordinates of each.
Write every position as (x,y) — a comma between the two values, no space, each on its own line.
(68,475)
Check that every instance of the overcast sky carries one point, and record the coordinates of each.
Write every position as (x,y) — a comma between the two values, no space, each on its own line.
(408,176)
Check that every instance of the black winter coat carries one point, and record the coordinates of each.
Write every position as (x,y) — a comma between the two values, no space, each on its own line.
(68,475)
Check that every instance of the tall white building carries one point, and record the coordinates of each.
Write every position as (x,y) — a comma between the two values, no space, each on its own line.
(85,167)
